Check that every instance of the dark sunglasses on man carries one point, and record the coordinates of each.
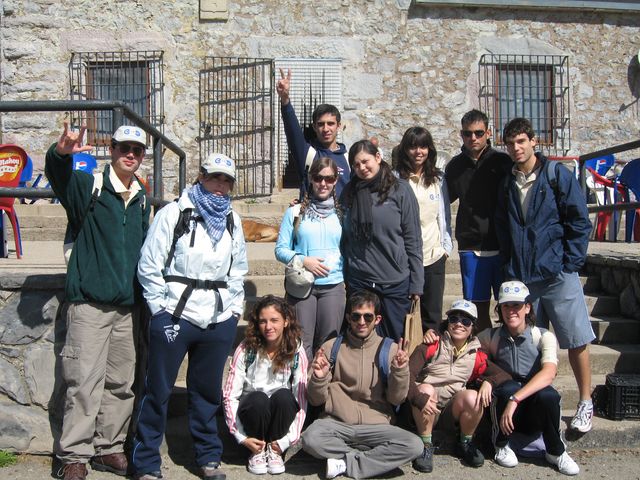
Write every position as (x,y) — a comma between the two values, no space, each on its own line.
(470,133)
(355,317)
(125,148)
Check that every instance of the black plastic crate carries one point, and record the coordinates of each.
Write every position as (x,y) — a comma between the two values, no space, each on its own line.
(623,396)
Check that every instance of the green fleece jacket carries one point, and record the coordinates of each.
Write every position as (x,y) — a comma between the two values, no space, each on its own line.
(102,267)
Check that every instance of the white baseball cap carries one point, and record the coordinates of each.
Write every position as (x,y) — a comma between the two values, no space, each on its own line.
(127,133)
(464,306)
(513,291)
(219,163)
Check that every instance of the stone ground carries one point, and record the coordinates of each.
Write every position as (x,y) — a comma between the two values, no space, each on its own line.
(612,463)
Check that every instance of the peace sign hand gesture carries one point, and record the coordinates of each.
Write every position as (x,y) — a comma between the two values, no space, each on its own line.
(283,85)
(401,358)
(320,364)
(71,142)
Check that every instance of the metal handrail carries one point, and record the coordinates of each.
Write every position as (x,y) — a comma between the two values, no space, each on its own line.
(120,110)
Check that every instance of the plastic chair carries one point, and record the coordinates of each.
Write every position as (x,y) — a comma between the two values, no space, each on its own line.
(630,180)
(601,165)
(12,161)
(604,192)
(85,162)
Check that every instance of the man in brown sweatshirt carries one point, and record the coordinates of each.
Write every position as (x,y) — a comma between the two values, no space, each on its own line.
(355,433)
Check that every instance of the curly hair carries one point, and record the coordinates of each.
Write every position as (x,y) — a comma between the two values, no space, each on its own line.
(316,166)
(254,341)
(412,138)
(387,179)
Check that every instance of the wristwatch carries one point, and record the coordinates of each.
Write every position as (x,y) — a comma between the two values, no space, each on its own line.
(514,399)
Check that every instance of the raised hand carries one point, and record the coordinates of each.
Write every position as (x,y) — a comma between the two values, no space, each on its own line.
(283,85)
(401,358)
(431,336)
(320,364)
(315,266)
(71,142)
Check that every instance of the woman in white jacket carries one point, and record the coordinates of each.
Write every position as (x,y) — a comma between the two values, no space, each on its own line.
(192,268)
(265,393)
(416,163)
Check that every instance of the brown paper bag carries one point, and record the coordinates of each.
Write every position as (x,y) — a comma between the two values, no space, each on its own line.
(413,327)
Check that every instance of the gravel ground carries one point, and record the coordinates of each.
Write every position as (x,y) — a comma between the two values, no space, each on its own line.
(613,463)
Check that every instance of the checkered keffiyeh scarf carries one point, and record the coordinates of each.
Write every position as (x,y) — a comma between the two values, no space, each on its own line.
(213,209)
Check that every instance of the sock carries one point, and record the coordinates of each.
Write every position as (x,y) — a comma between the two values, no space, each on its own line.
(465,438)
(426,439)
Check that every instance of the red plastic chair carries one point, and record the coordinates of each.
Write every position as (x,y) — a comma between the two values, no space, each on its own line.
(603,218)
(12,161)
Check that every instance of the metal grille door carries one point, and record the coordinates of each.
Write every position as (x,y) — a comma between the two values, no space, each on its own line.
(236,118)
(313,81)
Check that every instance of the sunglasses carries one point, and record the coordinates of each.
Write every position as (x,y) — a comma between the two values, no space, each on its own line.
(355,317)
(466,321)
(126,148)
(470,133)
(327,178)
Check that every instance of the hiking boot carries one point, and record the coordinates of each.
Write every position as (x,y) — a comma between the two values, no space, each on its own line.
(258,463)
(275,464)
(564,462)
(424,463)
(581,421)
(470,454)
(74,471)
(114,463)
(505,457)
(212,471)
(335,467)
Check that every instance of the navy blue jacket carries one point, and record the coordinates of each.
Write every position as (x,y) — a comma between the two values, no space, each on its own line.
(555,235)
(299,147)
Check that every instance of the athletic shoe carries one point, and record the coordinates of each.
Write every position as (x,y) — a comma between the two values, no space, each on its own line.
(424,463)
(258,463)
(470,454)
(564,462)
(212,471)
(275,464)
(335,467)
(582,419)
(505,457)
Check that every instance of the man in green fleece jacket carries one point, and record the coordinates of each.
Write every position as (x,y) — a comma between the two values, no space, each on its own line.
(98,356)
(355,434)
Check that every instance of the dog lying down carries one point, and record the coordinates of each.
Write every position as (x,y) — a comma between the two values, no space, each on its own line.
(259,232)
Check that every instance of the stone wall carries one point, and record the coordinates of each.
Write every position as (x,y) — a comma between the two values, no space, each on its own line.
(402,64)
(619,276)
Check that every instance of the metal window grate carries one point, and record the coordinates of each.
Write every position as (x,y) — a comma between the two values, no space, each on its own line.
(135,78)
(313,81)
(236,118)
(531,86)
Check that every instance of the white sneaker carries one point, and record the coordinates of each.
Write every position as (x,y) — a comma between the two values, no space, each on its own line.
(505,457)
(581,421)
(564,462)
(335,467)
(258,463)
(275,464)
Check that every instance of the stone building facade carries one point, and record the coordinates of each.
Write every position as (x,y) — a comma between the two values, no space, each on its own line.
(403,62)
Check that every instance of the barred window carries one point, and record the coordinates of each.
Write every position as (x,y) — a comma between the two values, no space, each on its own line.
(134,78)
(531,86)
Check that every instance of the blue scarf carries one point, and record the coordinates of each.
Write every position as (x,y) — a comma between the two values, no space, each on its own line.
(213,209)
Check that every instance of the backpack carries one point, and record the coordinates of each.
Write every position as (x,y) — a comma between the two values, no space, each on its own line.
(536,337)
(250,357)
(383,356)
(70,234)
(181,228)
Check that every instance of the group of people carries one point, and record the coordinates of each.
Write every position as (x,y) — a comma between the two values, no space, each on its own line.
(375,238)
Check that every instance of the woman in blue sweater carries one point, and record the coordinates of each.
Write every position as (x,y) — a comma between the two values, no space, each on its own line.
(311,232)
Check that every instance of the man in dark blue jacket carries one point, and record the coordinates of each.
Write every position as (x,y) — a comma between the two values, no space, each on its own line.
(543,228)
(326,125)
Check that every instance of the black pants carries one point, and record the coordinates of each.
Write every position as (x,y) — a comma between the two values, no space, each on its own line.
(431,300)
(267,418)
(538,413)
